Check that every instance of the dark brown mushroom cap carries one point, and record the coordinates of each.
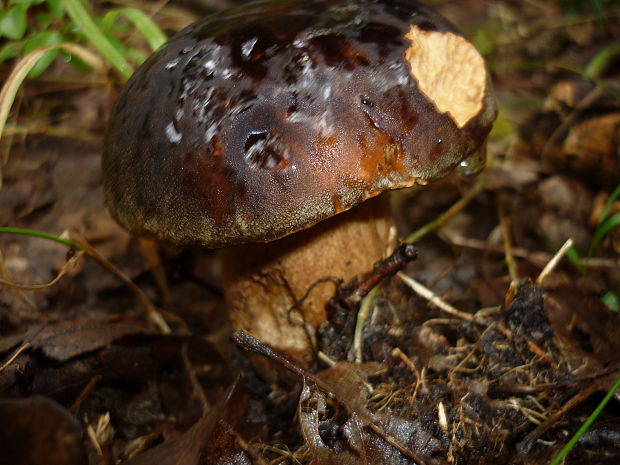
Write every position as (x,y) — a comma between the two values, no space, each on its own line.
(266,119)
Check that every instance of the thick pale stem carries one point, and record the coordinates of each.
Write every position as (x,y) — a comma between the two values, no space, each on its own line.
(265,284)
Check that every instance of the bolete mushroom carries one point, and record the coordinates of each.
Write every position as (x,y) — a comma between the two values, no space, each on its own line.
(271,130)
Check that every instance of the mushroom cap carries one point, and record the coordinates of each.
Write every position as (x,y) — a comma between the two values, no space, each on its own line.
(265,119)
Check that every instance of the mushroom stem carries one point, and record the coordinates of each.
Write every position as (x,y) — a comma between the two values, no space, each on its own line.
(279,291)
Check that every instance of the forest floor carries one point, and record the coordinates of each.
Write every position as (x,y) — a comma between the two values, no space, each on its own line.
(503,364)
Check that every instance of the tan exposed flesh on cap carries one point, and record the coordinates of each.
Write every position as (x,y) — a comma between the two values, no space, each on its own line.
(449,71)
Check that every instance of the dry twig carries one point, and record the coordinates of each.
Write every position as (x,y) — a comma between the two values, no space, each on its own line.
(550,266)
(433,298)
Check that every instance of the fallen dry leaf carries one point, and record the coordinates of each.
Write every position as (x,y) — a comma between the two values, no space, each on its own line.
(39,431)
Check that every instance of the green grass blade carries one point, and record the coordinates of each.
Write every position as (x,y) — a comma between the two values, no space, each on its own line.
(573,256)
(580,432)
(11,49)
(611,301)
(40,235)
(14,22)
(601,60)
(610,201)
(151,32)
(604,228)
(87,26)
(56,8)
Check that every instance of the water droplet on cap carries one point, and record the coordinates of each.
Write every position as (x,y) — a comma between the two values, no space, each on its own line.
(474,163)
(366,100)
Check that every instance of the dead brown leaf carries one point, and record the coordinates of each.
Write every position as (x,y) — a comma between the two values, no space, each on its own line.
(68,339)
(39,431)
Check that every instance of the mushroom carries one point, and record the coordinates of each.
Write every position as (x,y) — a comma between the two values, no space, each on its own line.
(270,131)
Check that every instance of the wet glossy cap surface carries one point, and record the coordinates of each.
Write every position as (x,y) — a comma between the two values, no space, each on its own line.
(266,119)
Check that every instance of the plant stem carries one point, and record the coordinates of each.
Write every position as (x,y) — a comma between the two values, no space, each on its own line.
(448,214)
(42,235)
(580,432)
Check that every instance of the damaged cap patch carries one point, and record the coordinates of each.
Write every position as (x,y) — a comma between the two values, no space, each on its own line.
(449,71)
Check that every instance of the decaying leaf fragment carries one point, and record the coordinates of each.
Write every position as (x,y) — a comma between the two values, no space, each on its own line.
(360,436)
(39,431)
(64,340)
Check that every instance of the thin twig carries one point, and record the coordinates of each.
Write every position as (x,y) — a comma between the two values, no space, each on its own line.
(326,359)
(75,406)
(382,269)
(14,355)
(433,298)
(197,388)
(19,294)
(538,258)
(535,257)
(504,224)
(550,266)
(407,361)
(68,266)
(153,314)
